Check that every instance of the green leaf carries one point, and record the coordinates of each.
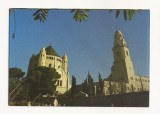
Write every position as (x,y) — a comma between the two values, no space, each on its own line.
(128,14)
(125,14)
(41,15)
(131,13)
(117,13)
(80,14)
(36,12)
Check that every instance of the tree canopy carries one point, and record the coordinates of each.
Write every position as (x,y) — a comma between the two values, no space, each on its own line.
(41,81)
(73,89)
(88,85)
(101,84)
(16,72)
(14,77)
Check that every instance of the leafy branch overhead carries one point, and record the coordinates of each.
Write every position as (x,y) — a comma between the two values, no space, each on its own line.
(82,14)
(128,14)
(79,15)
(41,15)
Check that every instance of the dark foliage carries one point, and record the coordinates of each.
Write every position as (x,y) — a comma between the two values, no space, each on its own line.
(88,85)
(14,77)
(73,89)
(127,13)
(41,81)
(40,15)
(16,72)
(82,14)
(101,84)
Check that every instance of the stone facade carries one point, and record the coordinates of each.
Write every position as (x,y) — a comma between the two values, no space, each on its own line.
(123,78)
(48,57)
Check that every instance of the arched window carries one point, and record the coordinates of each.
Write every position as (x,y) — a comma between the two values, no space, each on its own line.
(60,82)
(57,82)
(127,53)
(50,65)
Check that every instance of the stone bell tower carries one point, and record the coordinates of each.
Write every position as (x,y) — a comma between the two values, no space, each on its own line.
(122,69)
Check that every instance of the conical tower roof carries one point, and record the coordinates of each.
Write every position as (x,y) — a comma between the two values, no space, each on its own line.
(118,34)
(65,56)
(119,40)
(50,51)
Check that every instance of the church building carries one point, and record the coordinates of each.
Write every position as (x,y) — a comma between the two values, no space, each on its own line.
(48,57)
(123,78)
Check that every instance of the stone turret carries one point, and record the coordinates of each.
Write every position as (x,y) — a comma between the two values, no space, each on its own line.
(119,39)
(120,48)
(65,63)
(42,57)
(122,69)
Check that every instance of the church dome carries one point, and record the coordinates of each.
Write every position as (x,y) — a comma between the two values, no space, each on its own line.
(50,51)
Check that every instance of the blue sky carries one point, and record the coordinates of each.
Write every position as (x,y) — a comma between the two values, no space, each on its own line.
(87,44)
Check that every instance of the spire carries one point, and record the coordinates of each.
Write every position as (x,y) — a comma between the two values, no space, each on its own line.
(118,34)
(88,73)
(65,57)
(43,50)
(119,39)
